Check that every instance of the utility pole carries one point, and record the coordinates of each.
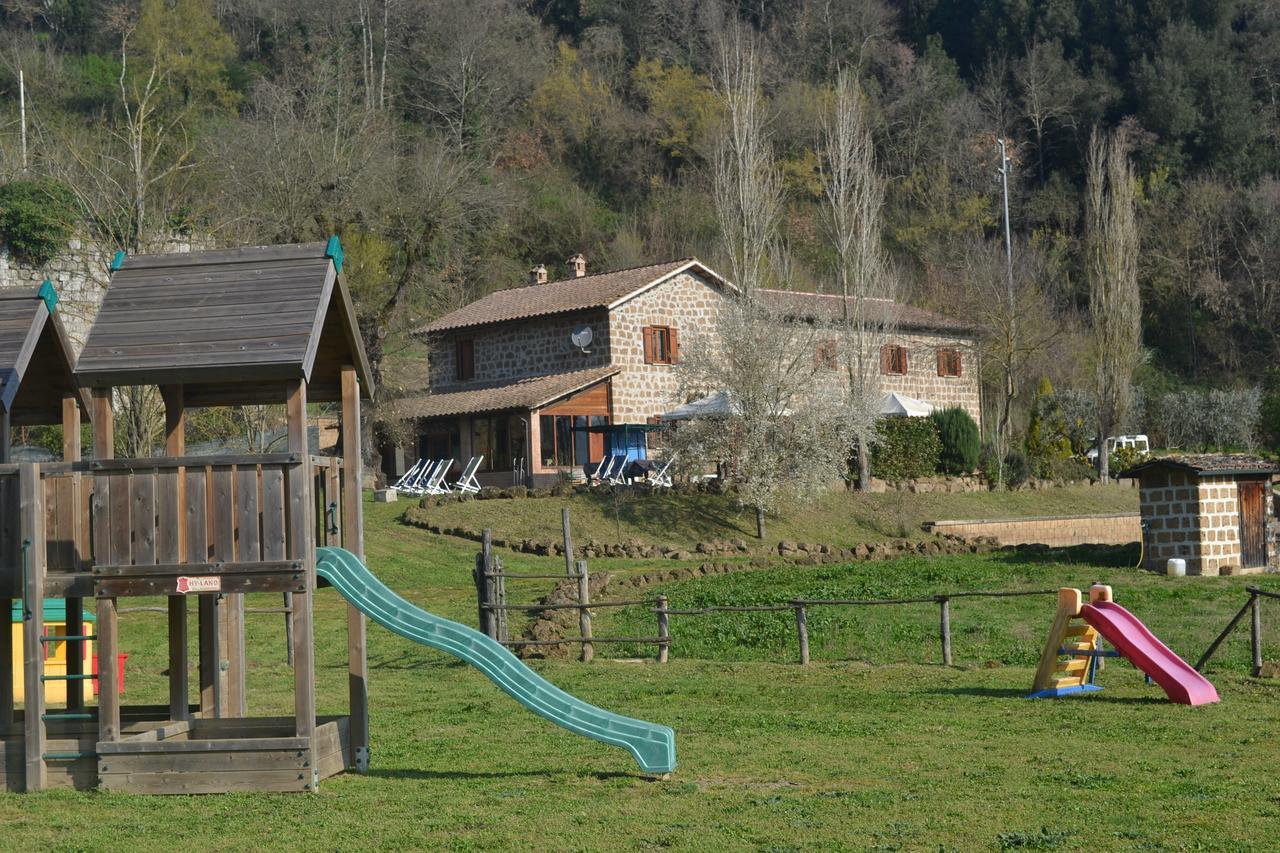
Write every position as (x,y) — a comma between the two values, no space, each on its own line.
(22,116)
(1008,240)
(1011,321)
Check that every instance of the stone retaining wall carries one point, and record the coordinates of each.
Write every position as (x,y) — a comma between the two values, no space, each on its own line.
(1055,531)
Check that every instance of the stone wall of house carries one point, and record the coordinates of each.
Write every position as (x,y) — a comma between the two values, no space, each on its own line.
(514,350)
(80,274)
(686,302)
(1219,524)
(1054,531)
(922,380)
(1194,518)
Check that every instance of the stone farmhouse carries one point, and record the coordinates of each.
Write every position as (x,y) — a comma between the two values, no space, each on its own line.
(508,381)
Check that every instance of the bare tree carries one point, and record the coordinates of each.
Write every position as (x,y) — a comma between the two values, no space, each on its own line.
(1111,234)
(140,420)
(1049,88)
(1014,313)
(780,439)
(747,180)
(854,202)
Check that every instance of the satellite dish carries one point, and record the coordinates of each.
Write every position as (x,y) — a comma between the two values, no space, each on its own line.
(582,337)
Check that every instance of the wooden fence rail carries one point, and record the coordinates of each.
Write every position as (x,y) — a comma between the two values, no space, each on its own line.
(1254,608)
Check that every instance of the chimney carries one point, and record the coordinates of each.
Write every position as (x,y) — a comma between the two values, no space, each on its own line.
(538,275)
(577,266)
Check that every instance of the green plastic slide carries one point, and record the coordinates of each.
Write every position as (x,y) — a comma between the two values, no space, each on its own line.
(652,746)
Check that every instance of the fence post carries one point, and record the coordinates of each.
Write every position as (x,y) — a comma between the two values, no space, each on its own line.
(944,628)
(484,613)
(568,541)
(1255,634)
(802,629)
(664,631)
(584,598)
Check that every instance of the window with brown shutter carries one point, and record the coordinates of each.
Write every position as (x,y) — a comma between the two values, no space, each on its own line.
(661,345)
(949,362)
(893,359)
(465,359)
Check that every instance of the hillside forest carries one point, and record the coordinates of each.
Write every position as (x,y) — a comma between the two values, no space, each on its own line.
(453,144)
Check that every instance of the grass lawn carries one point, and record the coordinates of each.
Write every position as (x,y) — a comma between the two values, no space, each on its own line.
(895,754)
(838,518)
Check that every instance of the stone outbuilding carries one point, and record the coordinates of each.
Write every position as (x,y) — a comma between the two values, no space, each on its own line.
(1208,509)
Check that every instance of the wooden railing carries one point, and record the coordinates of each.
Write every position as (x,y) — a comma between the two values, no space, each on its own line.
(161,517)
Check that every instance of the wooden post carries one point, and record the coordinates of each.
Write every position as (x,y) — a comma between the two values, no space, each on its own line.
(944,628)
(210,680)
(302,549)
(1255,634)
(664,631)
(6,603)
(31,498)
(488,616)
(568,541)
(237,704)
(484,615)
(584,615)
(6,435)
(6,664)
(353,541)
(288,622)
(107,627)
(74,606)
(175,444)
(802,630)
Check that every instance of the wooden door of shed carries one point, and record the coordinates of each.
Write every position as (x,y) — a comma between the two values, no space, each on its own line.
(1253,523)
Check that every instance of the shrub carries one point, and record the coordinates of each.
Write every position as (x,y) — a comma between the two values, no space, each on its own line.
(906,448)
(960,444)
(1072,469)
(1124,458)
(1016,469)
(1048,441)
(36,218)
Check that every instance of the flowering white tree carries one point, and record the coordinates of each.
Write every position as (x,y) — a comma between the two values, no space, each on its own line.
(781,440)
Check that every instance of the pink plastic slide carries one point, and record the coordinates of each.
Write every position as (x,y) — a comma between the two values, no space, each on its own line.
(1133,640)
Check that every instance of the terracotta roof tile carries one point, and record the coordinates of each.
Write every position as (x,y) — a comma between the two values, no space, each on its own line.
(824,306)
(554,297)
(529,393)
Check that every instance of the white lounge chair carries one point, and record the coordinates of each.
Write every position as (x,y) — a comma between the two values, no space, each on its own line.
(409,476)
(662,477)
(467,482)
(418,485)
(438,484)
(619,477)
(609,467)
(602,469)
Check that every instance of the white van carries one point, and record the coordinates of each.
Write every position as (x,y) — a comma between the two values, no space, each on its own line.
(1137,442)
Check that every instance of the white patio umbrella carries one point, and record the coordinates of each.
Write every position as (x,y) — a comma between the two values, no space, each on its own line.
(894,403)
(714,405)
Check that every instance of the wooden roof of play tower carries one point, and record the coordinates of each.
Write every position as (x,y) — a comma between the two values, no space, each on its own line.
(36,358)
(231,325)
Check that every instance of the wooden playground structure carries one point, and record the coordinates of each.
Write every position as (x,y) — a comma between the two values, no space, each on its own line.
(251,326)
